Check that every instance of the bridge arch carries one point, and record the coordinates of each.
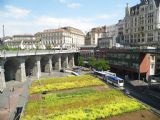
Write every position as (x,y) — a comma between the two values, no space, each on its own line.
(30,66)
(46,63)
(71,60)
(56,62)
(64,61)
(11,69)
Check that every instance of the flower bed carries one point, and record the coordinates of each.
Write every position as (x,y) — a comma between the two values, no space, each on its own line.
(84,103)
(64,83)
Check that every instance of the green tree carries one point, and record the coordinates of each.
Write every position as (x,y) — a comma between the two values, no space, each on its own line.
(101,65)
(81,61)
(91,61)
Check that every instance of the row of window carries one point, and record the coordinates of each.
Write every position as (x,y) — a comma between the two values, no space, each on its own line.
(142,9)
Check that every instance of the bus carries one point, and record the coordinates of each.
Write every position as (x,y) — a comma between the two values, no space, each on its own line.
(110,77)
(110,73)
(102,74)
(114,80)
(99,74)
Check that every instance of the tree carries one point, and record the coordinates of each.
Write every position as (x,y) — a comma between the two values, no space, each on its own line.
(81,61)
(100,64)
(91,61)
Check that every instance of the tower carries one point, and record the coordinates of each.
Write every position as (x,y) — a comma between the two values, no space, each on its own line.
(127,11)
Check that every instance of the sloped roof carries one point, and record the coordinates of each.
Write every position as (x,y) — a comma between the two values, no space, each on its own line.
(157,2)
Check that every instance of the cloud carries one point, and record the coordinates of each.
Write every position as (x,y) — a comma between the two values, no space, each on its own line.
(62,1)
(34,25)
(39,23)
(107,18)
(73,5)
(15,12)
(79,23)
(20,21)
(70,4)
(104,16)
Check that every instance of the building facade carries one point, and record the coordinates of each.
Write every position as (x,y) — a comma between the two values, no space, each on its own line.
(92,36)
(120,36)
(87,51)
(131,62)
(107,42)
(142,24)
(65,38)
(22,42)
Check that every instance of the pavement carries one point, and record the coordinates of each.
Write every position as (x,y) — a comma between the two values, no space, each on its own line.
(138,83)
(9,99)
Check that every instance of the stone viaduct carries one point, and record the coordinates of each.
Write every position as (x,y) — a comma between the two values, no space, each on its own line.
(20,64)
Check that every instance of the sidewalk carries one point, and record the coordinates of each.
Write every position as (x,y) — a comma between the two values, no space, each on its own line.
(8,102)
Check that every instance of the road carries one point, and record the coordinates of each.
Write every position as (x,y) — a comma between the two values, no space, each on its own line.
(144,97)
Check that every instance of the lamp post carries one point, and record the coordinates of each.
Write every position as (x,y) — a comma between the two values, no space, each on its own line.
(139,70)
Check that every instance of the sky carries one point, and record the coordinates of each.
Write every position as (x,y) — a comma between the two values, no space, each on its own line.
(31,16)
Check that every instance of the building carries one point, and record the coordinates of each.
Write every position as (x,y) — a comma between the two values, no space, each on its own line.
(157,64)
(142,24)
(111,31)
(22,42)
(106,34)
(120,28)
(131,62)
(108,40)
(92,36)
(65,38)
(87,51)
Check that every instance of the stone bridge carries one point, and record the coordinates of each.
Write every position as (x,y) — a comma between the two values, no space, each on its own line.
(17,65)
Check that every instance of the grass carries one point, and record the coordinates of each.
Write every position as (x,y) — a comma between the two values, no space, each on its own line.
(55,84)
(84,103)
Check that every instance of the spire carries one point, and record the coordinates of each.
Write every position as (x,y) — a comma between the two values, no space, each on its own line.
(127,5)
(127,10)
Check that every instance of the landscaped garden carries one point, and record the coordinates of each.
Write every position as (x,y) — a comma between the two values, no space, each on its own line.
(83,97)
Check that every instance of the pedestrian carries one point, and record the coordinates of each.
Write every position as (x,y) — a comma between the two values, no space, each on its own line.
(13,89)
(1,91)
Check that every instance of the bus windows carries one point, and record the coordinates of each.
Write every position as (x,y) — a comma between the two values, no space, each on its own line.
(120,81)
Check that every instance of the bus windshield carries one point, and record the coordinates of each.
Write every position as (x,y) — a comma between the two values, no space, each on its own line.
(120,81)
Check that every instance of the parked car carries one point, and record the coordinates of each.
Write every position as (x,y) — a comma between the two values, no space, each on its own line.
(126,92)
(62,70)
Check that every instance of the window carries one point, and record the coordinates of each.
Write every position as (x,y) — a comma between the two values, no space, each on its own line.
(152,66)
(151,7)
(152,57)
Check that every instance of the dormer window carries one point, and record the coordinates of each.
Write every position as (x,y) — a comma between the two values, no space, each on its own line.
(132,12)
(151,7)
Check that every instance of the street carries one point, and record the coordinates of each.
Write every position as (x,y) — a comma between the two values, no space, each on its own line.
(144,97)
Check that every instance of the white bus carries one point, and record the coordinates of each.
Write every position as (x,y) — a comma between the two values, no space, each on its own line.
(114,80)
(110,73)
(100,74)
(110,77)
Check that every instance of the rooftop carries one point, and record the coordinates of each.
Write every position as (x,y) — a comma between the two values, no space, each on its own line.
(66,29)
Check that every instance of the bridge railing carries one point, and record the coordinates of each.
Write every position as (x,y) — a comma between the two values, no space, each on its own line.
(4,53)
